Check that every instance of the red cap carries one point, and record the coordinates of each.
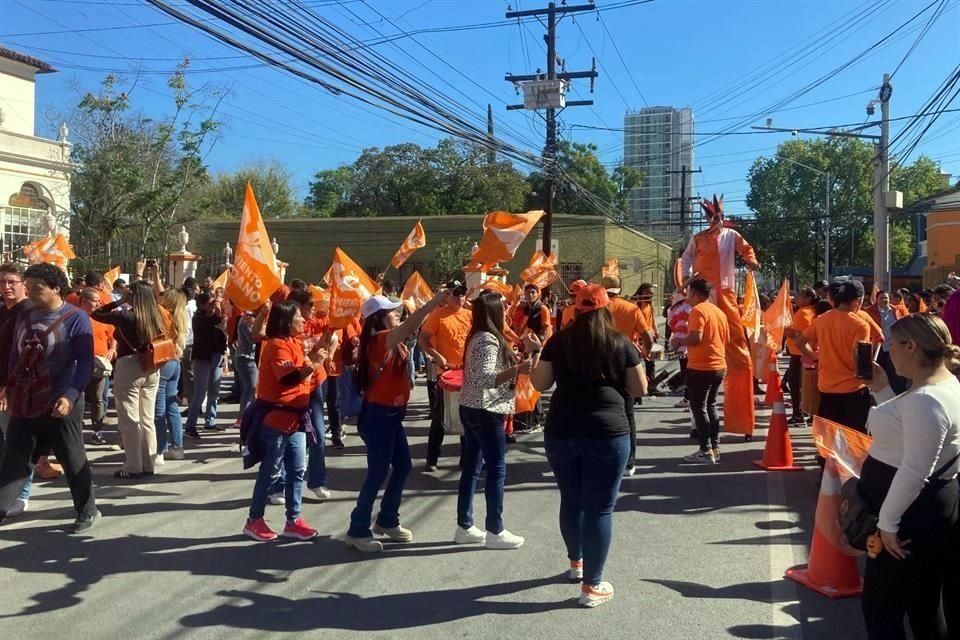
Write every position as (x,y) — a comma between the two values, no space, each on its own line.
(591,298)
(576,285)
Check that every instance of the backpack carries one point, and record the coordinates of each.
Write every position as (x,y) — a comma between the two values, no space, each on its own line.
(32,385)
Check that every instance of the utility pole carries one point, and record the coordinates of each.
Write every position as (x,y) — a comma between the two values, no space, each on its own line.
(881,219)
(826,231)
(491,152)
(683,199)
(533,83)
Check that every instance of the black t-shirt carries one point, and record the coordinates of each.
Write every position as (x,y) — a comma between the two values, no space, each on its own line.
(583,407)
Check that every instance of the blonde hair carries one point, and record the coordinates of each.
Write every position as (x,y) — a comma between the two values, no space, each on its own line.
(175,302)
(932,338)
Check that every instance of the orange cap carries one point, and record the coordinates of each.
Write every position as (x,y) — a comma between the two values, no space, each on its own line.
(592,297)
(576,285)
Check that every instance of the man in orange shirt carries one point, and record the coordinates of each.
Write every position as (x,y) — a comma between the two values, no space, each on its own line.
(844,398)
(708,334)
(802,317)
(443,339)
(644,297)
(104,353)
(628,320)
(532,314)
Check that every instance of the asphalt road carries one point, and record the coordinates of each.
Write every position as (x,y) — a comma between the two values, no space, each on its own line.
(698,552)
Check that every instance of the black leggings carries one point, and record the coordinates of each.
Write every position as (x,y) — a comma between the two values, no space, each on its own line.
(849,409)
(792,379)
(894,589)
(702,387)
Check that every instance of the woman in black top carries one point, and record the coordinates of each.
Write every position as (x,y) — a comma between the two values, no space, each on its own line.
(587,437)
(139,321)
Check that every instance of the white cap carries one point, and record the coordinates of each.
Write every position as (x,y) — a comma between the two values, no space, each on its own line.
(374,304)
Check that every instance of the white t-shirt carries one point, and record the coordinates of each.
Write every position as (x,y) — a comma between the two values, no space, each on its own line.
(191,309)
(917,432)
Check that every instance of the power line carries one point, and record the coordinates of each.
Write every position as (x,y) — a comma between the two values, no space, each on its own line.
(920,36)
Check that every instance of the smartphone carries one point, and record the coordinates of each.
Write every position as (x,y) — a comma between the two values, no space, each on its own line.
(864,360)
(151,263)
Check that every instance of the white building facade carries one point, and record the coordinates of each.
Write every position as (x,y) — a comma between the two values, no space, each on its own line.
(659,142)
(34,171)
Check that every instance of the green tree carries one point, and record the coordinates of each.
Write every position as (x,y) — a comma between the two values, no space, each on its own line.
(583,184)
(224,195)
(136,178)
(449,259)
(329,190)
(788,202)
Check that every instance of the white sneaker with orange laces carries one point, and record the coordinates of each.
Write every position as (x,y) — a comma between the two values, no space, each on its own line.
(595,594)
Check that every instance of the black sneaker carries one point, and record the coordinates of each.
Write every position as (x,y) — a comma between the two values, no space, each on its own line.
(511,439)
(191,433)
(337,442)
(98,438)
(83,523)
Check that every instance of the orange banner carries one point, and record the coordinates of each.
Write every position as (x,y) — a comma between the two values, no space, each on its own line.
(321,297)
(493,285)
(845,450)
(112,275)
(254,276)
(750,316)
(350,286)
(222,279)
(610,268)
(416,239)
(54,250)
(526,395)
(502,234)
(416,292)
(541,270)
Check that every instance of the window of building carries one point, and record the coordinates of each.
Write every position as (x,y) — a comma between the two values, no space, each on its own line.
(28,198)
(21,226)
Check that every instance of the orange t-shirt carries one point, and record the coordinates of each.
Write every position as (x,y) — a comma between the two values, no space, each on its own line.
(876,333)
(710,354)
(315,329)
(448,333)
(835,334)
(391,387)
(345,338)
(628,319)
(647,312)
(102,336)
(278,357)
(802,318)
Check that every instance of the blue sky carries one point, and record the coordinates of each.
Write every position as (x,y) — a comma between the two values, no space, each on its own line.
(678,52)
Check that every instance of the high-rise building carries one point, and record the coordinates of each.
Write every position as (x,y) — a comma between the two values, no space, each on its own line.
(658,140)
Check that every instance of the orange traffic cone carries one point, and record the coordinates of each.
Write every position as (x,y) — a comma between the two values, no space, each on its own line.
(778,452)
(829,572)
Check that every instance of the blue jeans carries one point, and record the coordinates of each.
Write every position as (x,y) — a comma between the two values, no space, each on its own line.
(483,434)
(28,485)
(245,370)
(381,428)
(167,413)
(317,467)
(107,383)
(286,451)
(206,384)
(588,473)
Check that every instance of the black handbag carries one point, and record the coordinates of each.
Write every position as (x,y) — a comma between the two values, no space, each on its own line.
(858,520)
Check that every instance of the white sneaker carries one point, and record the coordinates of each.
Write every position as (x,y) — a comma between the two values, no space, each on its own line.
(629,472)
(595,594)
(367,545)
(19,506)
(276,498)
(700,457)
(397,534)
(503,540)
(322,493)
(473,535)
(682,404)
(158,460)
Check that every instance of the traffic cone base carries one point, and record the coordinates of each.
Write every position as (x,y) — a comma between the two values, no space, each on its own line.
(829,571)
(764,465)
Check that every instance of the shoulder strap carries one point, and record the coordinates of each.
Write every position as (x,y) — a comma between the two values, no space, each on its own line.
(936,474)
(56,323)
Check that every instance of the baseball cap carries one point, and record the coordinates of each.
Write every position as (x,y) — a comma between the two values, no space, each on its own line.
(846,290)
(575,286)
(375,304)
(456,287)
(611,284)
(592,297)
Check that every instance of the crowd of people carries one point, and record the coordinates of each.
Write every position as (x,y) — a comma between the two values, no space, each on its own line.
(156,350)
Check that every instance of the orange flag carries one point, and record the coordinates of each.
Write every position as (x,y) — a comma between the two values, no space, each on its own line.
(751,307)
(320,296)
(678,273)
(254,276)
(222,279)
(845,450)
(416,292)
(502,234)
(416,239)
(112,275)
(610,268)
(54,250)
(350,286)
(494,285)
(541,271)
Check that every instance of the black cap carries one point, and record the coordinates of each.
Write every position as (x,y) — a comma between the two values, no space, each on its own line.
(456,287)
(846,291)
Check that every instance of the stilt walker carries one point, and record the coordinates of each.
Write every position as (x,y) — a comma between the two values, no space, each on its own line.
(711,255)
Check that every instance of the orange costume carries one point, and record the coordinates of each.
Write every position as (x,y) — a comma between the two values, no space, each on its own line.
(711,255)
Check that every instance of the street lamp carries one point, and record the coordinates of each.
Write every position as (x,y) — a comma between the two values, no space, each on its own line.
(826,226)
